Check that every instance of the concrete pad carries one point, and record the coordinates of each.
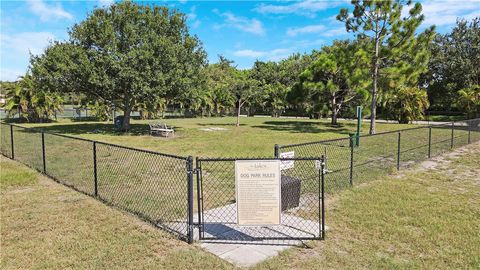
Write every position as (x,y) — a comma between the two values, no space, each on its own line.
(244,256)
(242,245)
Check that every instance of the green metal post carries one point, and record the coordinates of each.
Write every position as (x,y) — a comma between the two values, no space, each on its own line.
(359,125)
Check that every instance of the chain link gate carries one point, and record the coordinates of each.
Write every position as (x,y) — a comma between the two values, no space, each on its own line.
(302,201)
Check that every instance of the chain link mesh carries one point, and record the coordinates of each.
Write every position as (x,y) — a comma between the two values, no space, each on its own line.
(28,147)
(154,186)
(5,140)
(300,200)
(151,185)
(70,161)
(380,154)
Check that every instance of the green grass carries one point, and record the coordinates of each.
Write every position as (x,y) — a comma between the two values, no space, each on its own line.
(155,186)
(255,137)
(45,225)
(421,219)
(425,219)
(11,177)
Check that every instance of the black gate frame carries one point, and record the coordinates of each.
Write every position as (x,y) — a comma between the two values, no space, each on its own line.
(321,199)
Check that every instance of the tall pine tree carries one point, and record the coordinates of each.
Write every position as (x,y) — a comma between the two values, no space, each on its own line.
(388,33)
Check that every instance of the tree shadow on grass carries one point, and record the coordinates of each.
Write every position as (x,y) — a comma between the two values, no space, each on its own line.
(306,127)
(98,128)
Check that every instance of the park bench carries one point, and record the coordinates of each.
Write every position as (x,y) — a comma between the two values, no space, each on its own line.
(161,129)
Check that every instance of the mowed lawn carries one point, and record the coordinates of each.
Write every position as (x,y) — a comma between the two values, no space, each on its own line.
(424,218)
(255,137)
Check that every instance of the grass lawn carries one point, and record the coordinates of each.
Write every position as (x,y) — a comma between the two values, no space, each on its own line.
(426,218)
(255,137)
(45,225)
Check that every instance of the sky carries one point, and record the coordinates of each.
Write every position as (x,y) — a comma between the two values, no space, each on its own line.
(242,31)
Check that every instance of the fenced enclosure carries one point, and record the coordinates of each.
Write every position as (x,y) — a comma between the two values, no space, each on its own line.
(159,187)
(302,201)
(348,163)
(154,186)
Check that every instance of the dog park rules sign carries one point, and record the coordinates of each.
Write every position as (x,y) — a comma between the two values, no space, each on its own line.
(257,185)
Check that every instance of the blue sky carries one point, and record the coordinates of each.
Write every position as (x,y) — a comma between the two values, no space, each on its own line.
(242,31)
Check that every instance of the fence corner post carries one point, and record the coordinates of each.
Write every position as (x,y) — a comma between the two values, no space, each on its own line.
(429,141)
(190,198)
(322,194)
(11,142)
(469,131)
(398,151)
(43,154)
(95,181)
(451,140)
(276,151)
(353,139)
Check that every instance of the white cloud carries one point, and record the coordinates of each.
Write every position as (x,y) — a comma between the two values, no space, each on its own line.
(272,55)
(25,42)
(192,16)
(48,12)
(335,32)
(105,3)
(253,26)
(196,24)
(444,12)
(249,53)
(10,75)
(309,29)
(17,47)
(305,8)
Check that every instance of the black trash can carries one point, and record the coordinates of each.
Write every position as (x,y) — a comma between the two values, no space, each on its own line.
(119,121)
(290,192)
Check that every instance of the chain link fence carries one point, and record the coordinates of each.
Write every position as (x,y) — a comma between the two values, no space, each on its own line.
(154,186)
(159,187)
(302,207)
(376,155)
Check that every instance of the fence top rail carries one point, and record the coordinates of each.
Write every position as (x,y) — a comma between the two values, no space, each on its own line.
(261,158)
(380,133)
(39,129)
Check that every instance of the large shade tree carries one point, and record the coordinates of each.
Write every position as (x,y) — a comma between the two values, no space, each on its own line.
(389,34)
(128,54)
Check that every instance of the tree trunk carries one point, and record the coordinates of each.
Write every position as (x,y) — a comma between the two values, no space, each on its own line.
(334,110)
(373,114)
(126,119)
(334,116)
(238,112)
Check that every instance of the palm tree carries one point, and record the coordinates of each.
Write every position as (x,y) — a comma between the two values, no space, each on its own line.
(408,104)
(32,104)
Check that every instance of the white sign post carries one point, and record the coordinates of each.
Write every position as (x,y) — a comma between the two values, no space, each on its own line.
(257,185)
(287,164)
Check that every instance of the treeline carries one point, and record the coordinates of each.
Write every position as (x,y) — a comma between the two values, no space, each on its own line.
(135,57)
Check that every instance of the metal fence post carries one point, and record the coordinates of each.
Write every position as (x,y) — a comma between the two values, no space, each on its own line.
(451,140)
(276,151)
(43,154)
(429,141)
(351,159)
(198,169)
(190,198)
(11,141)
(398,151)
(469,130)
(95,168)
(322,194)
